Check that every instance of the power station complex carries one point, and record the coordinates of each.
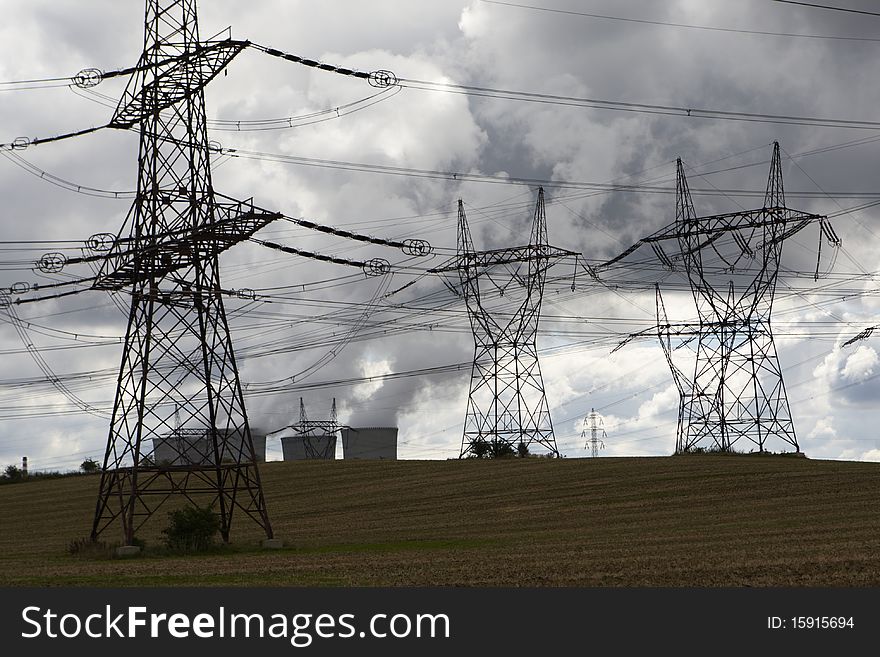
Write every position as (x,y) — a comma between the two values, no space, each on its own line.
(178,424)
(196,448)
(362,443)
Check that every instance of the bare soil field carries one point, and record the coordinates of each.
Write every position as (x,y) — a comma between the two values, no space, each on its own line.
(700,520)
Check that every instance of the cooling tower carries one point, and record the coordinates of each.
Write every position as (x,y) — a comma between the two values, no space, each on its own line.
(379,443)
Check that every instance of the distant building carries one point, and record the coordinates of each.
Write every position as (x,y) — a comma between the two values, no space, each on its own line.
(195,447)
(304,447)
(377,443)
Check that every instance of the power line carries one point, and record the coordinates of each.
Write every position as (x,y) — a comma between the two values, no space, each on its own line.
(63,183)
(32,87)
(640,108)
(844,9)
(35,81)
(461,176)
(23,142)
(387,79)
(257,125)
(681,25)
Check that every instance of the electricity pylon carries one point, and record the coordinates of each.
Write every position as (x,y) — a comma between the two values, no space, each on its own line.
(318,436)
(736,394)
(178,370)
(507,410)
(594,433)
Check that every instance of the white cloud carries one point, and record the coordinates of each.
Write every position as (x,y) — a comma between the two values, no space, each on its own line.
(870,455)
(824,428)
(860,365)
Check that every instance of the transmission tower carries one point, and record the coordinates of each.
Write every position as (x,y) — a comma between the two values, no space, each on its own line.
(507,409)
(594,433)
(178,373)
(736,395)
(318,436)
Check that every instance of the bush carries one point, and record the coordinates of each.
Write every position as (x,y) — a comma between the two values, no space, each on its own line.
(90,466)
(192,529)
(479,449)
(494,449)
(713,449)
(13,473)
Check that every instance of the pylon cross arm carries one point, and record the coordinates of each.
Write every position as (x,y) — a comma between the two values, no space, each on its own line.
(476,261)
(722,223)
(185,76)
(233,223)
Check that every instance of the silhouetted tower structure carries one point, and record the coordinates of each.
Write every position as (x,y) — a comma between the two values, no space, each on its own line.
(507,407)
(594,432)
(178,368)
(303,418)
(318,436)
(736,395)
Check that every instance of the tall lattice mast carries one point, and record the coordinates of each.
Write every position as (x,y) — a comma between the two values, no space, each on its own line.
(594,433)
(318,436)
(735,397)
(178,357)
(507,409)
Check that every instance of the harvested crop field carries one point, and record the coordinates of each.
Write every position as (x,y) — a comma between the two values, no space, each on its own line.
(679,521)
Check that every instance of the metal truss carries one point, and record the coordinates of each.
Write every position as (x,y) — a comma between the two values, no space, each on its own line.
(178,351)
(594,433)
(318,436)
(735,397)
(231,222)
(507,411)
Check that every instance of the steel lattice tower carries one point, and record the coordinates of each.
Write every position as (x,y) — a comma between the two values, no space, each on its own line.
(594,433)
(178,350)
(736,395)
(318,436)
(507,406)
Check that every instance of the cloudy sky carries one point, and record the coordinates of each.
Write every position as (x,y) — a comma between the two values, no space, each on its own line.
(320,331)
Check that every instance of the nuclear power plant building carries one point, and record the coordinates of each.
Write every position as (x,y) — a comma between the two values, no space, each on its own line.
(376,443)
(194,447)
(302,447)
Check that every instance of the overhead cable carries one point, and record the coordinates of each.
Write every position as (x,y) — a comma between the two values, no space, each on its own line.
(681,25)
(844,9)
(643,108)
